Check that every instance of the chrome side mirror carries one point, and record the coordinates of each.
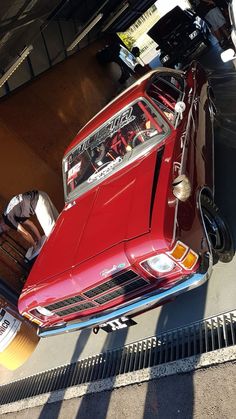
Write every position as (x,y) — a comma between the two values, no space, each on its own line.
(182,188)
(180,108)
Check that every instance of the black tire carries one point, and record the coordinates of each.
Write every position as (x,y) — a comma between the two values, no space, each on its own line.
(218,231)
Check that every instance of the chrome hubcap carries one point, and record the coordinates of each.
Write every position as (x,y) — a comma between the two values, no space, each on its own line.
(213,231)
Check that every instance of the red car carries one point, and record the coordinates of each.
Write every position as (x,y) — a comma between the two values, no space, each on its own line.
(139,226)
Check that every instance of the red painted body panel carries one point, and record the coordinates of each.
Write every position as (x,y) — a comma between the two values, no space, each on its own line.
(115,201)
(115,226)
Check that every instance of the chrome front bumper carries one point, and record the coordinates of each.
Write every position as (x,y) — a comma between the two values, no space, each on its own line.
(140,304)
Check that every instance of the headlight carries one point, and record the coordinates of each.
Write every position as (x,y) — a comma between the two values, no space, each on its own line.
(160,263)
(166,58)
(193,34)
(44,311)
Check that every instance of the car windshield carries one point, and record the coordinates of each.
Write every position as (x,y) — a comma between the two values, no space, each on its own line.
(121,139)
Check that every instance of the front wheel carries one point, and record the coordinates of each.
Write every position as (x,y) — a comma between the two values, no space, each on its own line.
(217,230)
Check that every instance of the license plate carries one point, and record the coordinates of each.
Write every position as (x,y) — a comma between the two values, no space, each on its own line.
(117,324)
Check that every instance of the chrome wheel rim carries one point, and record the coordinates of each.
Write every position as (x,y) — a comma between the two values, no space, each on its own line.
(214,231)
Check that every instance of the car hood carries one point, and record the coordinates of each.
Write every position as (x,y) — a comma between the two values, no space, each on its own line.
(113,212)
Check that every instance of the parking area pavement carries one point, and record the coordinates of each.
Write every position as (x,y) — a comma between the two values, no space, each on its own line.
(189,395)
(216,296)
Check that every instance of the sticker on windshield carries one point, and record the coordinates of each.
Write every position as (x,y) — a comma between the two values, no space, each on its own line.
(108,130)
(73,172)
(104,170)
(111,146)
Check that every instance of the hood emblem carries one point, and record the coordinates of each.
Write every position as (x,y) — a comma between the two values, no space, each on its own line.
(113,269)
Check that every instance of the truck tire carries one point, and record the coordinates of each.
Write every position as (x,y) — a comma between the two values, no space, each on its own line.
(218,231)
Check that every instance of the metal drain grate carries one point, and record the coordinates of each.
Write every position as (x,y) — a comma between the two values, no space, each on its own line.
(197,338)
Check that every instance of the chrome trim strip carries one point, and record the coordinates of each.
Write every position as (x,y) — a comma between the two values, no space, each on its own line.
(140,304)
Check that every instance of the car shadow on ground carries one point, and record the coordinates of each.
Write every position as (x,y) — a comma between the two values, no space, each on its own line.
(52,410)
(86,409)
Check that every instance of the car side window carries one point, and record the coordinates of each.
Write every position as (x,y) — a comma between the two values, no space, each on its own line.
(166,90)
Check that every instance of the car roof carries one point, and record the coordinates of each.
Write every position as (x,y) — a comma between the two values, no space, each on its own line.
(129,95)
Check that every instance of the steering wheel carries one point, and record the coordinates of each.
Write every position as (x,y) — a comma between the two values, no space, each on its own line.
(98,153)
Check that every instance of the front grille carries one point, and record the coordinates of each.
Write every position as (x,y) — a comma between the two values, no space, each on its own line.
(119,285)
(123,290)
(64,303)
(114,282)
(76,309)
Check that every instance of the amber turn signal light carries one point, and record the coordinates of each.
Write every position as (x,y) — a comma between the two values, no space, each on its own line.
(185,256)
(179,251)
(190,260)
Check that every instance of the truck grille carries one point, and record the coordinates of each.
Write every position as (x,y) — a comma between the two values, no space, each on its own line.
(107,286)
(84,306)
(63,303)
(121,284)
(123,290)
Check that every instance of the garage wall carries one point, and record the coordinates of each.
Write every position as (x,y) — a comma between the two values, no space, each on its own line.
(39,120)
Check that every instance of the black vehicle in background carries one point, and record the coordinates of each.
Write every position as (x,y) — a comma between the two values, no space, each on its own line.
(179,35)
(117,53)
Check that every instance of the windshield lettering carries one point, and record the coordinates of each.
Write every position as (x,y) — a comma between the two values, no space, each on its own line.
(113,145)
(104,171)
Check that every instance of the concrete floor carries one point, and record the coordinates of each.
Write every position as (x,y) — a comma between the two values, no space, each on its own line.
(183,396)
(216,296)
